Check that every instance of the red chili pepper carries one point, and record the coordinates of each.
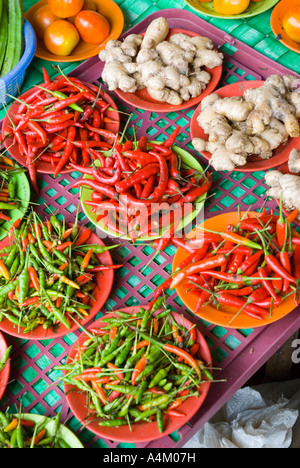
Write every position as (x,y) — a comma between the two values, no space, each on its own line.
(281,226)
(269,302)
(259,295)
(276,266)
(34,278)
(240,303)
(35,127)
(100,188)
(100,392)
(193,258)
(172,138)
(137,177)
(202,265)
(267,284)
(184,354)
(197,192)
(139,367)
(67,151)
(63,246)
(84,237)
(249,262)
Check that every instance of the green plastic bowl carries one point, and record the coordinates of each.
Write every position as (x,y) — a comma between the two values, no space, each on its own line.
(187,160)
(65,433)
(253,9)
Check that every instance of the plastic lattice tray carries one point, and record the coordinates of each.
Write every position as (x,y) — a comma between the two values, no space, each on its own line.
(238,353)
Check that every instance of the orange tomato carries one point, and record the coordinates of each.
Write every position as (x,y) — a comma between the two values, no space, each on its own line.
(41,19)
(231,7)
(291,23)
(93,27)
(65,8)
(61,37)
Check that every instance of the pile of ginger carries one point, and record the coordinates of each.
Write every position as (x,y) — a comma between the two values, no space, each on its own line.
(286,186)
(173,70)
(256,123)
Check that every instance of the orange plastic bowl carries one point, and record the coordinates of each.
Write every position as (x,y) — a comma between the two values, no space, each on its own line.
(101,293)
(277,24)
(83,50)
(142,100)
(140,432)
(4,374)
(280,155)
(224,315)
(42,166)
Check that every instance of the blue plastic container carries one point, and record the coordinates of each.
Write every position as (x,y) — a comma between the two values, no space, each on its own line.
(13,81)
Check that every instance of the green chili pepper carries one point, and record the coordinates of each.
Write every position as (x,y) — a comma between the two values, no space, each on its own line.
(143,387)
(13,439)
(11,188)
(97,249)
(160,421)
(145,414)
(123,355)
(161,374)
(19,436)
(113,423)
(24,281)
(5,357)
(62,444)
(4,290)
(12,256)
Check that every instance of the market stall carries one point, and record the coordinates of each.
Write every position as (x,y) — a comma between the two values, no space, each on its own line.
(134,268)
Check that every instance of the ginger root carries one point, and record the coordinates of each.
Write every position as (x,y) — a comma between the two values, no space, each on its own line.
(294,161)
(170,69)
(286,186)
(256,123)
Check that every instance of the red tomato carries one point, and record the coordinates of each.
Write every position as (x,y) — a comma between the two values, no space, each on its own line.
(88,5)
(291,23)
(61,37)
(93,27)
(41,19)
(65,8)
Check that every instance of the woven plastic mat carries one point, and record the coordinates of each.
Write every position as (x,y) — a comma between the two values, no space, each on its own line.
(238,353)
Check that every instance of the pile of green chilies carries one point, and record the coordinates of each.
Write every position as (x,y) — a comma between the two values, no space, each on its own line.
(8,200)
(138,367)
(47,274)
(20,432)
(4,358)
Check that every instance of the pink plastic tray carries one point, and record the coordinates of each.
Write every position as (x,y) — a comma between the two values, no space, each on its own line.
(238,353)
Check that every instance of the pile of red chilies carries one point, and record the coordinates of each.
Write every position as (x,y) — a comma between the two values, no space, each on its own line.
(138,181)
(252,267)
(61,121)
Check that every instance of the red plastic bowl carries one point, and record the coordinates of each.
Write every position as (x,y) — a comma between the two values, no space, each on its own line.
(4,374)
(42,166)
(142,100)
(280,155)
(140,432)
(101,293)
